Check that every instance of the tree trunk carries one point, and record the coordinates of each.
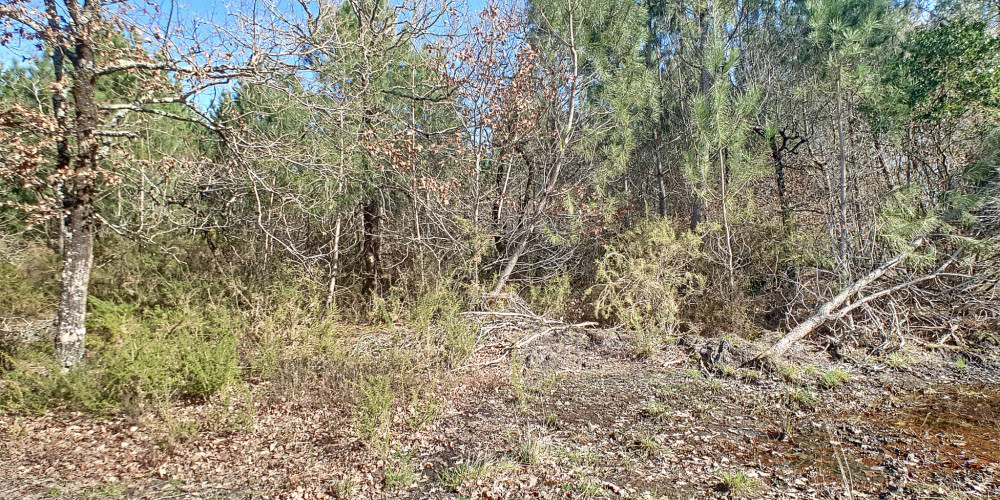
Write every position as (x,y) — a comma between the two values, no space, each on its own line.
(78,258)
(842,245)
(829,309)
(662,188)
(331,296)
(371,246)
(78,254)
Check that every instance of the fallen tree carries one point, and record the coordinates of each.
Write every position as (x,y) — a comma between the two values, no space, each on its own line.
(834,308)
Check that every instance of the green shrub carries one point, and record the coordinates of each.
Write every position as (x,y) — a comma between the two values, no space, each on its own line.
(400,474)
(163,354)
(437,310)
(640,279)
(551,297)
(134,357)
(35,383)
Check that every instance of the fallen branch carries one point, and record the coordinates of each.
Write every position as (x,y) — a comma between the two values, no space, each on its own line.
(829,310)
(521,344)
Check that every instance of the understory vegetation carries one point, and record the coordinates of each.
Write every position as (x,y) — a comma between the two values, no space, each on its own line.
(358,207)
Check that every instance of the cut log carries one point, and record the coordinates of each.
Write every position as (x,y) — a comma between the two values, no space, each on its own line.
(829,310)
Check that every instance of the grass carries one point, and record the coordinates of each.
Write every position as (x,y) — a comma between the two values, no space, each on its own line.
(960,363)
(108,491)
(551,420)
(532,450)
(374,411)
(646,446)
(586,489)
(898,361)
(739,482)
(801,397)
(582,456)
(400,474)
(834,377)
(655,409)
(458,474)
(461,472)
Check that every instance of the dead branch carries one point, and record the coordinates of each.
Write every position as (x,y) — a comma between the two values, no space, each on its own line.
(829,310)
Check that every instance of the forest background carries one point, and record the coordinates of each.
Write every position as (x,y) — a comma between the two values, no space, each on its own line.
(190,202)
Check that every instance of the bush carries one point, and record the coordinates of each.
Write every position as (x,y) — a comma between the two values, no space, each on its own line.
(642,276)
(133,358)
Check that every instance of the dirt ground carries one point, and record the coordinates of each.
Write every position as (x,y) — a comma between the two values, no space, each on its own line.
(569,414)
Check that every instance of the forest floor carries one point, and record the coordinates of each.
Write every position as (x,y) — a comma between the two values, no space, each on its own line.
(572,413)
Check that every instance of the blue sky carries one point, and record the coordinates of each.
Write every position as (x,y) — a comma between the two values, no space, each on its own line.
(185,11)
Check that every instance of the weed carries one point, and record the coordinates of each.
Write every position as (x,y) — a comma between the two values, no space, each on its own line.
(739,482)
(374,411)
(344,489)
(551,420)
(532,449)
(692,372)
(517,382)
(960,363)
(801,397)
(461,472)
(726,370)
(834,377)
(791,373)
(548,382)
(176,432)
(715,385)
(586,489)
(583,456)
(748,375)
(53,492)
(400,473)
(898,361)
(647,446)
(645,344)
(655,409)
(424,410)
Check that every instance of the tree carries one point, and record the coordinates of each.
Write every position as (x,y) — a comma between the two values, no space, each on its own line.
(348,136)
(71,153)
(594,88)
